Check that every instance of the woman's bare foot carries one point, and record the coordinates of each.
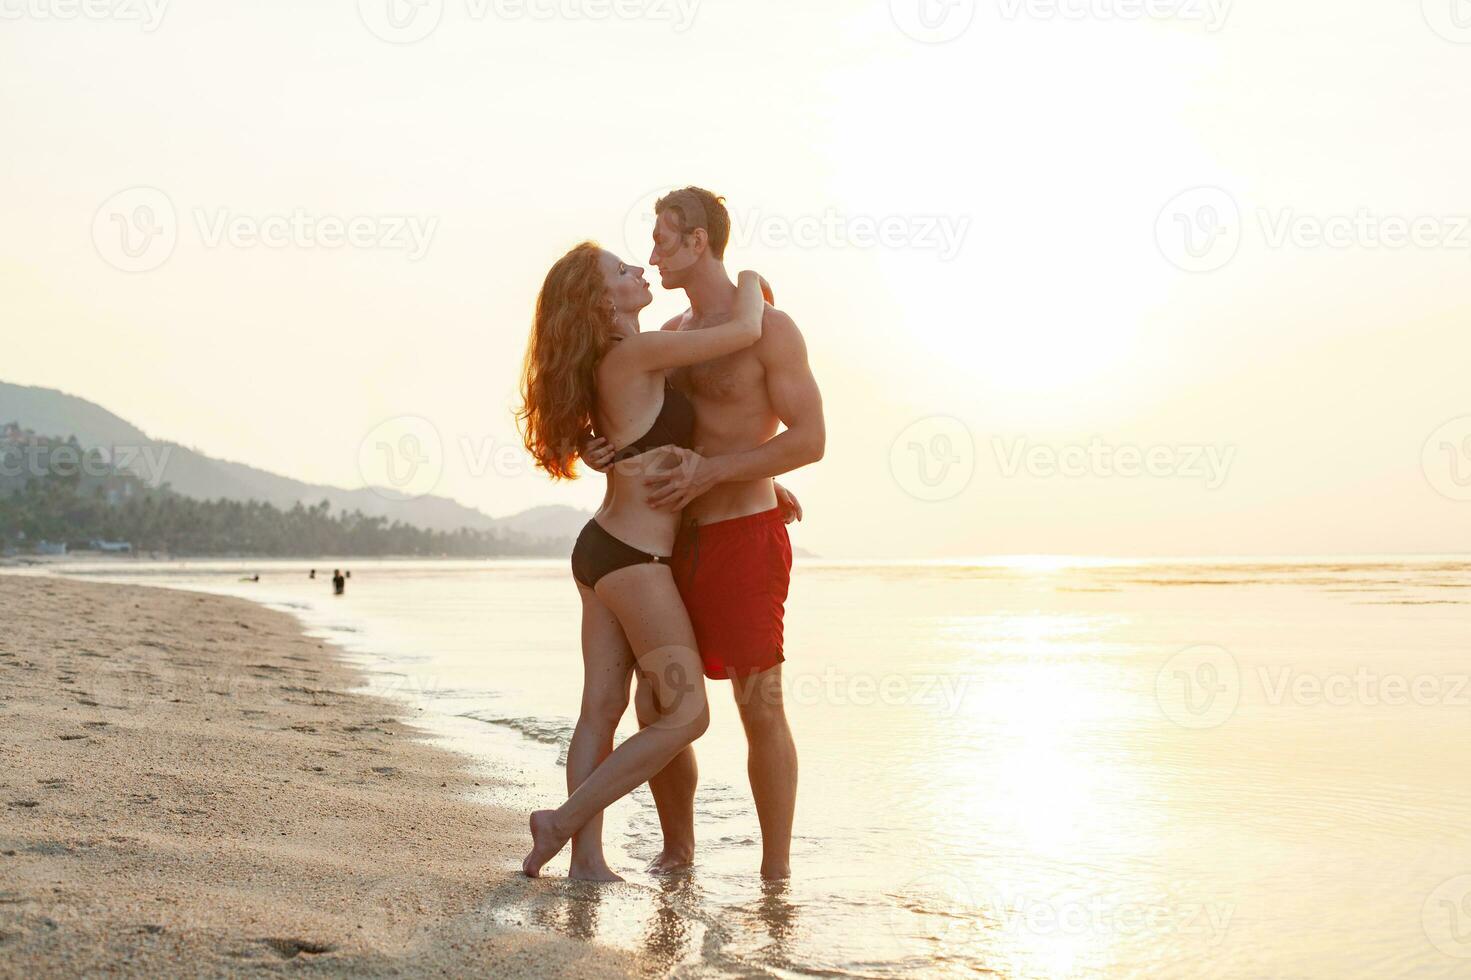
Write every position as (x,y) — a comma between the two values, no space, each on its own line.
(672,860)
(592,870)
(545,842)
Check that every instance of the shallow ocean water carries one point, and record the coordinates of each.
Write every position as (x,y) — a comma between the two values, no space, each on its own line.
(1019,767)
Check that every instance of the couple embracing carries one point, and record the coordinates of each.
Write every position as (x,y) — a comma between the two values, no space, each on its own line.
(683,571)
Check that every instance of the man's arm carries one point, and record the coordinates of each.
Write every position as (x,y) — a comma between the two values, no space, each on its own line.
(796,400)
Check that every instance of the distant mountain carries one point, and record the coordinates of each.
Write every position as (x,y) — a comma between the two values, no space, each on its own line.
(52,413)
(554,521)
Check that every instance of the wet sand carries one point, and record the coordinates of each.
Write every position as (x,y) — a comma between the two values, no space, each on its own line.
(189,787)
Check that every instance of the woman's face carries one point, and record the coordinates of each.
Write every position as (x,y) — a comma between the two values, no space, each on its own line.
(628,291)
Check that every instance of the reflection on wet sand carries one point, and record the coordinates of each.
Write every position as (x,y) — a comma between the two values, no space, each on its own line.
(664,921)
(778,916)
(668,936)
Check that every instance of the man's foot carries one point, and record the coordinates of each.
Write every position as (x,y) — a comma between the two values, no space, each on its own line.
(545,842)
(592,870)
(776,870)
(672,860)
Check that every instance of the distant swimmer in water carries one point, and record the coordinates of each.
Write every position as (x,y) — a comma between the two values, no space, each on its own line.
(313,574)
(339,583)
(249,578)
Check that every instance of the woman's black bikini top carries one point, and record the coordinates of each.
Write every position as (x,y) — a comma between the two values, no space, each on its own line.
(675,426)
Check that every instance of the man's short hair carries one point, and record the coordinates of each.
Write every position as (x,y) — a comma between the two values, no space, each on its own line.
(695,207)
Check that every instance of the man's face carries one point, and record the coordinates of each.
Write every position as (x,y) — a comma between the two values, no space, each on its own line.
(675,253)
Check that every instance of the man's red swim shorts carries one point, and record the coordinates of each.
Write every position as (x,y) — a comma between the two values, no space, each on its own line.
(733,577)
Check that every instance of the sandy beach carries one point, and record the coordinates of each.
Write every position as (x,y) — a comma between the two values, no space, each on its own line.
(188,787)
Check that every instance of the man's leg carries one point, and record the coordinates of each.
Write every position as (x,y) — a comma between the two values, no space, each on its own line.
(674,794)
(772,765)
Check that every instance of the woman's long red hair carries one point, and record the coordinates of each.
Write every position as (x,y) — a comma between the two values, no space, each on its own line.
(570,333)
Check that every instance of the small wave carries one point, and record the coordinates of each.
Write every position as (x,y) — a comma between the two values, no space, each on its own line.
(547,731)
(1412,602)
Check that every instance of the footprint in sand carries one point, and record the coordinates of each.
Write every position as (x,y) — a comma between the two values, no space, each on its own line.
(290,949)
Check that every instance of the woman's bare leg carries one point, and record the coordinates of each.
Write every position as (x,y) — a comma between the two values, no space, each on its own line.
(607,666)
(653,617)
(674,794)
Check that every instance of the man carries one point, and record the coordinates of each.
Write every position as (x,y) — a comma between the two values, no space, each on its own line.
(733,558)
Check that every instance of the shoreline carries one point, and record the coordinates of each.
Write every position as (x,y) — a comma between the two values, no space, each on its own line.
(194,786)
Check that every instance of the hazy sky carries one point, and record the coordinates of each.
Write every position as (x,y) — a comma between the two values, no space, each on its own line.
(1073,279)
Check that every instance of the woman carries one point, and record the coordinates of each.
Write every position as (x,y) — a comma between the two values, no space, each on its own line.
(588,365)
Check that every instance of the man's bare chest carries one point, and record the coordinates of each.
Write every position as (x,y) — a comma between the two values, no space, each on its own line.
(732,378)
